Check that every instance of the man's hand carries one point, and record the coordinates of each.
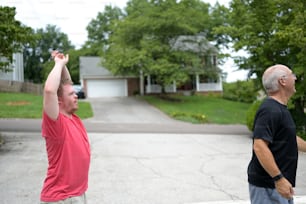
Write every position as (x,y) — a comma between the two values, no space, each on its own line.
(284,187)
(60,57)
(54,54)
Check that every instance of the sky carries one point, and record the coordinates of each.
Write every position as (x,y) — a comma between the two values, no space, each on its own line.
(72,17)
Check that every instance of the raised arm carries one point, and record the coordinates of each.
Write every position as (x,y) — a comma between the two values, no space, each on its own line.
(58,73)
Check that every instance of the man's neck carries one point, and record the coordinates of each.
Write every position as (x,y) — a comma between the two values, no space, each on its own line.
(279,98)
(69,115)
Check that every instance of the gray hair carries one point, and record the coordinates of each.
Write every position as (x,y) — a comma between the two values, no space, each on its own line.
(271,76)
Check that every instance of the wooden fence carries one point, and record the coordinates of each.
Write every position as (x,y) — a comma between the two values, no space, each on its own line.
(24,87)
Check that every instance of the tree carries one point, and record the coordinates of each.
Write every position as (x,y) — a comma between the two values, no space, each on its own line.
(140,42)
(219,16)
(38,53)
(100,29)
(73,65)
(272,32)
(13,36)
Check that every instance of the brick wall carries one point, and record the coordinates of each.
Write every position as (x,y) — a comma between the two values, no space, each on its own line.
(133,86)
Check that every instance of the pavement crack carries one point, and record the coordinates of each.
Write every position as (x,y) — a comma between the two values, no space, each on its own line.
(217,185)
(155,172)
(176,179)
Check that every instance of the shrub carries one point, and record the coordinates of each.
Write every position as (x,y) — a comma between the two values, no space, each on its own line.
(242,91)
(299,120)
(251,112)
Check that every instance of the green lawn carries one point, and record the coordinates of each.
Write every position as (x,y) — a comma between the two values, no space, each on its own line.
(22,105)
(202,109)
(194,109)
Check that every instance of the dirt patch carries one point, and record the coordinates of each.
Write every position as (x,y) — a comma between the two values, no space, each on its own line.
(18,103)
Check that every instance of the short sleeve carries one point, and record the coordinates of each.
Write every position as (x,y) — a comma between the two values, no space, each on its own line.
(50,128)
(266,123)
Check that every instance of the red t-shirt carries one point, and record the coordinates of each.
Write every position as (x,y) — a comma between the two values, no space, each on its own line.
(68,152)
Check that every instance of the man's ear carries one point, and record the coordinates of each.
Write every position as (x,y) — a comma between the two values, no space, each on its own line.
(60,100)
(282,81)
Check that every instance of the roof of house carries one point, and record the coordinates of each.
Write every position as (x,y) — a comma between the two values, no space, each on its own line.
(91,66)
(193,43)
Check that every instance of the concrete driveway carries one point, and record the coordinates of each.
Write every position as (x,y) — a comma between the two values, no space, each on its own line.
(126,110)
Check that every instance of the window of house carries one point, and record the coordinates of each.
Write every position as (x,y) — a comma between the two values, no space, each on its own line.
(215,60)
(209,60)
(208,78)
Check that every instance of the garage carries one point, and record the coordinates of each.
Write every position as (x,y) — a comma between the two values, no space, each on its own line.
(106,88)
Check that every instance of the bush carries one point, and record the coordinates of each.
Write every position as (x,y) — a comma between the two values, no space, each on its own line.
(251,112)
(299,120)
(242,91)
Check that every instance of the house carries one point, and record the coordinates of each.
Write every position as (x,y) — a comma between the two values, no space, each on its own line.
(100,82)
(204,79)
(13,80)
(97,81)
(17,71)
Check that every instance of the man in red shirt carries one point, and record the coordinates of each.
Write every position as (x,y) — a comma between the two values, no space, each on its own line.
(67,142)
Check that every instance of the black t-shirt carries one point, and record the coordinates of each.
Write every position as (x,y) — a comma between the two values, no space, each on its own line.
(273,123)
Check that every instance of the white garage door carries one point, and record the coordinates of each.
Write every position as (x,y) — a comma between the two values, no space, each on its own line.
(106,88)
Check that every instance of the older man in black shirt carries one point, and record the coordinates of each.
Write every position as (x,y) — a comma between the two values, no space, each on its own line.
(272,169)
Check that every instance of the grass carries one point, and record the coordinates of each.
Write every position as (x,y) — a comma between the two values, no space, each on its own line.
(22,105)
(193,109)
(202,109)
